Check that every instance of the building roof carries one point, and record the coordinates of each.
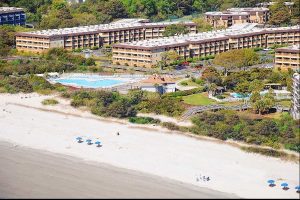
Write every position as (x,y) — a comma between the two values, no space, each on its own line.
(249,9)
(10,9)
(289,49)
(157,79)
(123,24)
(227,13)
(234,31)
(287,3)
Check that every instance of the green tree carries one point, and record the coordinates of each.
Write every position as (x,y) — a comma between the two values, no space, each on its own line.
(175,29)
(114,8)
(202,25)
(228,60)
(212,88)
(243,87)
(167,58)
(279,13)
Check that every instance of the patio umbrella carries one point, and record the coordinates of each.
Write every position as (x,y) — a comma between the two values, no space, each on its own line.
(98,143)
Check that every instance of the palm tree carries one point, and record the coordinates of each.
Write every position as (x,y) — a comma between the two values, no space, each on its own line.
(212,88)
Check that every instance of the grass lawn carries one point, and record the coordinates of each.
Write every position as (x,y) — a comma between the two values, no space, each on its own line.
(285,103)
(189,83)
(198,99)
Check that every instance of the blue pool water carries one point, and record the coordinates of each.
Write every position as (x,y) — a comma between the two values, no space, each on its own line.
(237,95)
(89,82)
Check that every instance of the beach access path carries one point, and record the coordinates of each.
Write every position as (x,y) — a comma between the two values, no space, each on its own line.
(152,150)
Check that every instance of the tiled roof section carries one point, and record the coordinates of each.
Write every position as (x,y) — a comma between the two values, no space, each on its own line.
(290,49)
(232,32)
(123,24)
(10,9)
(226,13)
(256,9)
(157,79)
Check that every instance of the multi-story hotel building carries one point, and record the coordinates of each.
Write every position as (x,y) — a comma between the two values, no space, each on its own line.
(288,4)
(257,15)
(237,16)
(125,30)
(147,53)
(295,110)
(288,57)
(12,16)
(226,19)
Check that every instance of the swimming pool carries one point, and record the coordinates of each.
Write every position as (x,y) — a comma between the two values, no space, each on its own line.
(239,96)
(93,81)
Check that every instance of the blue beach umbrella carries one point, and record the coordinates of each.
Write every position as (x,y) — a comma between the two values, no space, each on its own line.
(271,181)
(284,184)
(79,139)
(89,141)
(98,143)
(297,188)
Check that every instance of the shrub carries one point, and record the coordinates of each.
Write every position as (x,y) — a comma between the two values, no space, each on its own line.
(184,93)
(210,56)
(95,48)
(258,49)
(263,151)
(143,120)
(200,81)
(220,97)
(171,126)
(49,102)
(66,94)
(184,83)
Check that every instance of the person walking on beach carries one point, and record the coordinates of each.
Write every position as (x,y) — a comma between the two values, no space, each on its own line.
(118,133)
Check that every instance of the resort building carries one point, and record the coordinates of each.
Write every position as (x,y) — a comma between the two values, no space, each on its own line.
(288,57)
(295,110)
(157,83)
(268,4)
(226,19)
(237,16)
(12,16)
(257,15)
(126,30)
(147,53)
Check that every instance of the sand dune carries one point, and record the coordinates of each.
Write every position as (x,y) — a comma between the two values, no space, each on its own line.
(151,151)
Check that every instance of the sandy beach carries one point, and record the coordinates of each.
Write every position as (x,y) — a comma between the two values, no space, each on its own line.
(39,174)
(27,123)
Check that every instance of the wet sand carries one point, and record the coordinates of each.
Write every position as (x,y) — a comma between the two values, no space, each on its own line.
(29,173)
